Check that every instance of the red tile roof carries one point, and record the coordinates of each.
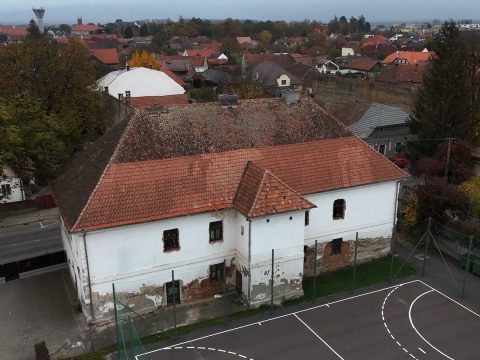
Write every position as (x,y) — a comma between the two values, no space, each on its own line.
(374,39)
(172,75)
(349,114)
(86,27)
(191,159)
(105,56)
(412,57)
(201,52)
(14,31)
(148,101)
(404,73)
(261,193)
(197,61)
(361,63)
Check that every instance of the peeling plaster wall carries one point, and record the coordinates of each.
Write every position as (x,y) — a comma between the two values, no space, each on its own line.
(368,249)
(284,233)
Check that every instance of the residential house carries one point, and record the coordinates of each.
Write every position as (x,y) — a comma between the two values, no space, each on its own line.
(361,65)
(11,189)
(214,77)
(346,51)
(13,34)
(303,59)
(326,66)
(383,127)
(107,57)
(404,73)
(273,78)
(408,57)
(308,75)
(249,61)
(255,175)
(196,63)
(246,42)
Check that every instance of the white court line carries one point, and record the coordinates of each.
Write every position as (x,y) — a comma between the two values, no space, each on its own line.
(449,298)
(137,357)
(314,333)
(418,333)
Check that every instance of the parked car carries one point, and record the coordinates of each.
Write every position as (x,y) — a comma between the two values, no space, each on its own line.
(400,161)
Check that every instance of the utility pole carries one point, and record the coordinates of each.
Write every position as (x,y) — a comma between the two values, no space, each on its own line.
(449,149)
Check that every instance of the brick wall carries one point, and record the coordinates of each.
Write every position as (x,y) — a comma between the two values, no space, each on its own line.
(367,250)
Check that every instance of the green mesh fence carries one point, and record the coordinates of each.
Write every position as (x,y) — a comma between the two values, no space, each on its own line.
(128,340)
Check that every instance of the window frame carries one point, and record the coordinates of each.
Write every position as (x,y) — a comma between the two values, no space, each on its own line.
(6,189)
(384,149)
(336,246)
(216,272)
(167,240)
(335,206)
(215,228)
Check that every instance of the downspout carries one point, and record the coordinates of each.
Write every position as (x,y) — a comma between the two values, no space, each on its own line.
(395,207)
(88,275)
(249,257)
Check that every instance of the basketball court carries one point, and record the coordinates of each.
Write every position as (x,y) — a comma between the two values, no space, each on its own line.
(405,321)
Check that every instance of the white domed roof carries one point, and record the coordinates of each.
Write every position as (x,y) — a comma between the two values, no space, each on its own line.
(140,82)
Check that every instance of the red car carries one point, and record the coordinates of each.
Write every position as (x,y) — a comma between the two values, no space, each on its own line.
(400,161)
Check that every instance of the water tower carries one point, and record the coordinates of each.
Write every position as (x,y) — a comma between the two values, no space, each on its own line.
(39,14)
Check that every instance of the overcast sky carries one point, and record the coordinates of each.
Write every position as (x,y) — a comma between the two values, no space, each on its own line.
(67,11)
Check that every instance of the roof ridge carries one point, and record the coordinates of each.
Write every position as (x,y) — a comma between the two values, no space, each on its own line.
(107,167)
(250,163)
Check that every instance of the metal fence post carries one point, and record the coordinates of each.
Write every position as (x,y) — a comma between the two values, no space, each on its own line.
(174,302)
(355,263)
(315,273)
(468,265)
(225,291)
(116,319)
(271,280)
(426,247)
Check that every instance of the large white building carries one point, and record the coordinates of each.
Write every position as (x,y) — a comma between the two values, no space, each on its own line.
(139,82)
(191,186)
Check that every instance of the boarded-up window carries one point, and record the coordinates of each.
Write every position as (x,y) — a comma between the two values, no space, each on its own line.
(170,240)
(339,209)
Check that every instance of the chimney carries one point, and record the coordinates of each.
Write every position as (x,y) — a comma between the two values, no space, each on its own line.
(120,96)
(291,96)
(127,93)
(228,101)
(106,89)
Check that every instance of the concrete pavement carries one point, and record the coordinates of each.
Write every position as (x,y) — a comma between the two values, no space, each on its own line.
(37,309)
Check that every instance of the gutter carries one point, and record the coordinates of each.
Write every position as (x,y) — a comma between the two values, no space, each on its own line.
(88,275)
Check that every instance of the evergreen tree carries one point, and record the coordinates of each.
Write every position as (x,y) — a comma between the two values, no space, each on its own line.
(443,108)
(128,33)
(33,30)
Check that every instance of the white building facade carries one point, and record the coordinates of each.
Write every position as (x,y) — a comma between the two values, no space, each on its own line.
(133,257)
(11,189)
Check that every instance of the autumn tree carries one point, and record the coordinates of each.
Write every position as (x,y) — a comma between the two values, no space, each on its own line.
(49,108)
(143,59)
(265,39)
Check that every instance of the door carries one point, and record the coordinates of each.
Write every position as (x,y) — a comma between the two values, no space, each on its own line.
(238,281)
(173,289)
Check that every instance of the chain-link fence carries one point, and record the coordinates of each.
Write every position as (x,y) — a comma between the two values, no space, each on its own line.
(215,291)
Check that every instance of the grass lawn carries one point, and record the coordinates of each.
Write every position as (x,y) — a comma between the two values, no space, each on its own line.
(335,282)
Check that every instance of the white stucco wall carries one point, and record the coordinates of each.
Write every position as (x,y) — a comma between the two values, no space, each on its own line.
(118,254)
(369,209)
(16,194)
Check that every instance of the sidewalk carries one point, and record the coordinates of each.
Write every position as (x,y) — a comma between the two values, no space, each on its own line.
(25,217)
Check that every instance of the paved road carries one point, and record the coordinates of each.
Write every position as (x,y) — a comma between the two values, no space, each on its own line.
(26,241)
